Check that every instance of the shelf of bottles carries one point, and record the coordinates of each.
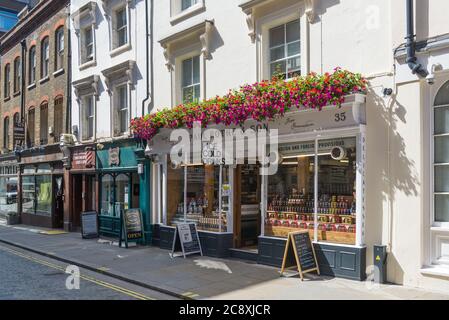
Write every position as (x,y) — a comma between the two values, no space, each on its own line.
(197,213)
(336,216)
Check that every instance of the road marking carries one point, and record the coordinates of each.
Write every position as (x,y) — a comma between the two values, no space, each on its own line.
(111,286)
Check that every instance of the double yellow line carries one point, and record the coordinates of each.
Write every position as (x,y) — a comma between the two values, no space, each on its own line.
(114,287)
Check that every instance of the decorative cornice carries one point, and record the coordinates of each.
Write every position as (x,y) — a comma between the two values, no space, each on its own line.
(89,10)
(123,69)
(311,10)
(89,84)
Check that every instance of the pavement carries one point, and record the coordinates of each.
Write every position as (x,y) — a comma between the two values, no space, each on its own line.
(197,277)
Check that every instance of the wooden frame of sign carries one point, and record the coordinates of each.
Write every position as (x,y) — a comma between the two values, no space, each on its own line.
(291,241)
(186,237)
(125,232)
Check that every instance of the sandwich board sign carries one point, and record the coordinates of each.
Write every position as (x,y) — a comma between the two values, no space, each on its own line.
(132,226)
(186,239)
(300,253)
(89,225)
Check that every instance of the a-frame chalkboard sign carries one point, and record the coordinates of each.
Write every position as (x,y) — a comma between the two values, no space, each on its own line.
(186,239)
(299,252)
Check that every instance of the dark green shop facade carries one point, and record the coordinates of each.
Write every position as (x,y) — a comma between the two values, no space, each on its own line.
(124,183)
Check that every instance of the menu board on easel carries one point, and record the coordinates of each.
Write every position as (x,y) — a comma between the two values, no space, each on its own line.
(299,252)
(186,239)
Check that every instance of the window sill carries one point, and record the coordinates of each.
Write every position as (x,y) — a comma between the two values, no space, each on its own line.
(183,15)
(15,94)
(43,80)
(58,72)
(120,50)
(32,86)
(435,270)
(88,64)
(6,99)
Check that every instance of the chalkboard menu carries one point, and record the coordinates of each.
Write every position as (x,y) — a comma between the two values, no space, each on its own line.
(132,221)
(299,245)
(186,239)
(89,225)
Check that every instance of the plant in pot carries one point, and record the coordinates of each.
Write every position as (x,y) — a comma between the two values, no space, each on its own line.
(12,218)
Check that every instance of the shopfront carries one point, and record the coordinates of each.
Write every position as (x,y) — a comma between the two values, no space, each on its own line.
(42,187)
(81,181)
(123,183)
(318,186)
(9,182)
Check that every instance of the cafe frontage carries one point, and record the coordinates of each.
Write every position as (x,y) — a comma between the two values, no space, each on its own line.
(318,187)
(123,178)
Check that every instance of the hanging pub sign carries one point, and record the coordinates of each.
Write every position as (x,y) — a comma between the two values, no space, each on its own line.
(186,239)
(132,226)
(89,225)
(299,252)
(114,156)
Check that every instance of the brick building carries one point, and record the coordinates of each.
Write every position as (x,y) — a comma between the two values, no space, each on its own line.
(34,107)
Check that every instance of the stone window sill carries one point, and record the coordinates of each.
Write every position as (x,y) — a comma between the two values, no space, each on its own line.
(58,72)
(436,271)
(32,86)
(6,99)
(120,50)
(15,94)
(43,80)
(88,64)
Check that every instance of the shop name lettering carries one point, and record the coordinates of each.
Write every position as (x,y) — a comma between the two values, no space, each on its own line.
(211,146)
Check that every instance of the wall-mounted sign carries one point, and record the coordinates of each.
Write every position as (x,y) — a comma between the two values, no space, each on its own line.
(19,133)
(114,156)
(83,159)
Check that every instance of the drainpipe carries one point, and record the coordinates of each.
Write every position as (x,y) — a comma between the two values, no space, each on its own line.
(69,76)
(22,80)
(411,60)
(149,53)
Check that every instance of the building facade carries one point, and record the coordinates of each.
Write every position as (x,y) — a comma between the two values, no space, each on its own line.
(110,87)
(35,71)
(204,48)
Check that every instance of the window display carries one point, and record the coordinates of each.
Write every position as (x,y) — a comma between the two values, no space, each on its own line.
(8,194)
(291,191)
(201,197)
(43,193)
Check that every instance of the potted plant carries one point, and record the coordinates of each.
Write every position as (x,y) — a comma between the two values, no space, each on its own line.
(12,218)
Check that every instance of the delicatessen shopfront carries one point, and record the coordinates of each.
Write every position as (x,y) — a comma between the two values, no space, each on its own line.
(318,186)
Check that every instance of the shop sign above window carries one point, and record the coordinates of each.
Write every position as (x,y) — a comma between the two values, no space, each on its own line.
(114,156)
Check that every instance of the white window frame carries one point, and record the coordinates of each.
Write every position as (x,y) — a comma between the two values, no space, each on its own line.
(85,57)
(59,48)
(84,123)
(193,84)
(116,118)
(180,56)
(177,14)
(267,22)
(45,58)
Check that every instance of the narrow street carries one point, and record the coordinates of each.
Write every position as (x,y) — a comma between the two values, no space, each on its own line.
(27,276)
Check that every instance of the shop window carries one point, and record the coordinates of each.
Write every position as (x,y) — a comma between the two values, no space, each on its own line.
(28,194)
(120,23)
(8,194)
(45,57)
(107,196)
(17,75)
(43,195)
(32,65)
(44,124)
(191,80)
(6,133)
(59,48)
(58,118)
(122,194)
(291,191)
(7,81)
(285,50)
(30,127)
(199,202)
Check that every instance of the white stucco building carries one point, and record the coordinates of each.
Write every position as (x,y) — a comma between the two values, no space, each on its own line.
(203,48)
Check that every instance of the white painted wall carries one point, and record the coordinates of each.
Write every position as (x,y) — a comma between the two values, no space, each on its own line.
(104,61)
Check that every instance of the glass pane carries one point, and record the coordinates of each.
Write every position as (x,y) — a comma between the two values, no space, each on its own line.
(293,48)
(442,97)
(196,70)
(277,53)
(187,95)
(278,68)
(290,204)
(28,194)
(293,64)
(122,189)
(197,93)
(293,32)
(187,4)
(107,196)
(124,120)
(43,192)
(122,37)
(8,194)
(277,36)
(187,72)
(175,198)
(441,208)
(121,18)
(442,179)
(441,116)
(441,149)
(336,186)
